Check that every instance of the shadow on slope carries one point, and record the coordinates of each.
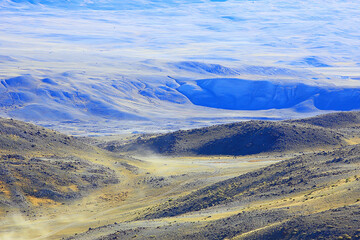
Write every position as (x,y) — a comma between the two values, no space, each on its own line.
(241,94)
(243,138)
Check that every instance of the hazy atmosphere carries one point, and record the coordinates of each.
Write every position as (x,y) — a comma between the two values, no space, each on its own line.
(148,60)
(169,119)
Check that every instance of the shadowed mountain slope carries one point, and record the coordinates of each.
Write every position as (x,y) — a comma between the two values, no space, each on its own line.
(74,97)
(240,138)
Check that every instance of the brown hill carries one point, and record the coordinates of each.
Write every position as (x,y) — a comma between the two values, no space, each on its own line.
(29,138)
(42,165)
(290,177)
(332,120)
(312,196)
(242,138)
(309,196)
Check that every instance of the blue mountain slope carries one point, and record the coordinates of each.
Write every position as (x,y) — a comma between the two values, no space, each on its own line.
(240,94)
(204,68)
(311,61)
(220,70)
(44,99)
(214,48)
(49,99)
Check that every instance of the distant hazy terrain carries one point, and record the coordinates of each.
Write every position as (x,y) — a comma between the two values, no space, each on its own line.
(83,66)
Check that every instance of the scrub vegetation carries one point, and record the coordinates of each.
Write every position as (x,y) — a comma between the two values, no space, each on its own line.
(299,179)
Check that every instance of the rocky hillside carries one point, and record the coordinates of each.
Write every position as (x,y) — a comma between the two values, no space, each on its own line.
(332,120)
(240,138)
(301,174)
(311,196)
(39,165)
(29,138)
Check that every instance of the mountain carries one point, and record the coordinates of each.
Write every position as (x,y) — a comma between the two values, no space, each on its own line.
(30,98)
(311,195)
(296,187)
(300,174)
(146,68)
(239,94)
(74,97)
(26,138)
(242,138)
(333,120)
(42,166)
(92,64)
(303,186)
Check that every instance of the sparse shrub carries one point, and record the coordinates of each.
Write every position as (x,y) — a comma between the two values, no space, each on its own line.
(346,236)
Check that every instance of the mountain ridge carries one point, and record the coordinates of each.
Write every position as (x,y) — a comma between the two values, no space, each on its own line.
(242,138)
(77,98)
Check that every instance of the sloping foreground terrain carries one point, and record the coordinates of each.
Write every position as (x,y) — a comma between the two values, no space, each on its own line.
(54,186)
(314,195)
(333,120)
(242,138)
(303,173)
(40,165)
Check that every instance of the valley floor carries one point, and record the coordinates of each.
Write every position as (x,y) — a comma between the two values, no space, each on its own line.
(319,210)
(152,181)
